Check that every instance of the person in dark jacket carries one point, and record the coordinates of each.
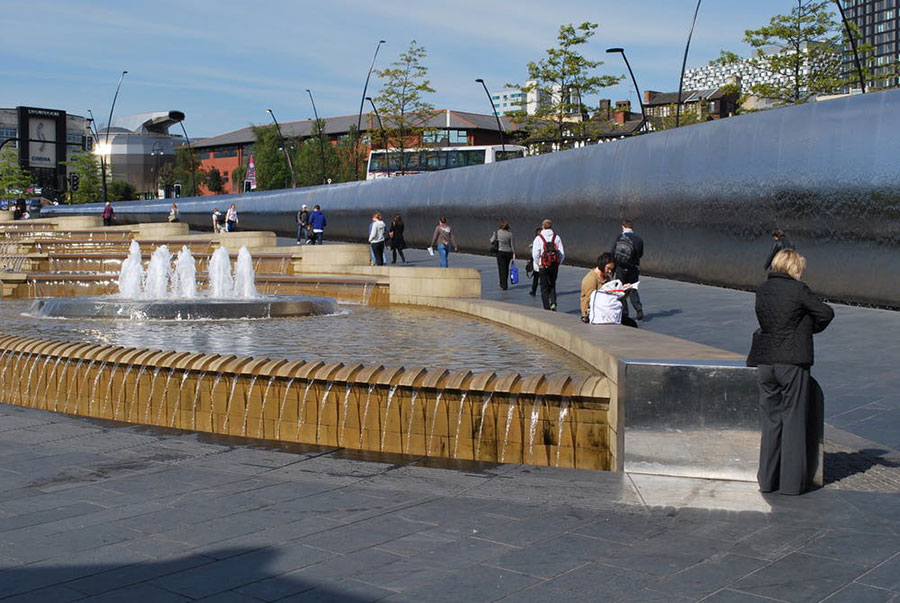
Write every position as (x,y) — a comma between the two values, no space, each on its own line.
(781,241)
(398,243)
(627,252)
(302,224)
(109,214)
(788,314)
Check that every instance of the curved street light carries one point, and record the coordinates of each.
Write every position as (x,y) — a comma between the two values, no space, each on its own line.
(684,65)
(190,155)
(287,156)
(320,128)
(359,118)
(496,116)
(634,81)
(106,139)
(380,124)
(859,71)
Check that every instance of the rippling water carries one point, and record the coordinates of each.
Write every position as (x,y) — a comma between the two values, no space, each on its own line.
(389,336)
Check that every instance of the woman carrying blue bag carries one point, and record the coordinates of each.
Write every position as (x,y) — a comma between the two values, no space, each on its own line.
(502,239)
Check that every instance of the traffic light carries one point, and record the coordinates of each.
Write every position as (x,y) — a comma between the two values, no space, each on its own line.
(247,186)
(178,191)
(74,184)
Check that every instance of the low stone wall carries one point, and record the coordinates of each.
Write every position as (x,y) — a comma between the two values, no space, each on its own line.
(553,420)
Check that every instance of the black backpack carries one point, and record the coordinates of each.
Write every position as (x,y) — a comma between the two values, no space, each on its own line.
(550,254)
(623,252)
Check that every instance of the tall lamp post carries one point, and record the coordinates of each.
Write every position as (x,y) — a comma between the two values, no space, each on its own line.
(496,116)
(684,65)
(106,139)
(634,81)
(319,128)
(287,156)
(859,71)
(359,118)
(190,155)
(380,124)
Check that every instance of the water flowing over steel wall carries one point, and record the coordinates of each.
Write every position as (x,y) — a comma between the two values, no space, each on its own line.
(704,197)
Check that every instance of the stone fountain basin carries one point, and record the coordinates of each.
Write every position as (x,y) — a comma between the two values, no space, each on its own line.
(275,306)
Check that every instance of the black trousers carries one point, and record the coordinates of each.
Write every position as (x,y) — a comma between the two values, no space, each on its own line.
(535,281)
(783,407)
(503,260)
(378,251)
(394,252)
(629,276)
(548,286)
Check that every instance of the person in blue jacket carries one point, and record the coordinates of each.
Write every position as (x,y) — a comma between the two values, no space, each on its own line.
(317,223)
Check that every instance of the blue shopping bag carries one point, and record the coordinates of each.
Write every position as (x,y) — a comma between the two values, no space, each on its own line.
(513,273)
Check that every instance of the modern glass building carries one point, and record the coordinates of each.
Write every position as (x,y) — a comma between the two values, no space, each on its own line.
(879,24)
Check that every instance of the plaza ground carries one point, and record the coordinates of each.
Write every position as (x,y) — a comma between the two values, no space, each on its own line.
(108,512)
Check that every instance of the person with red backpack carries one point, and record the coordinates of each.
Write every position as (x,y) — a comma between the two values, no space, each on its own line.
(547,253)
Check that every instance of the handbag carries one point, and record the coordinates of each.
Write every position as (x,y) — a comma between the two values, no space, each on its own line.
(495,244)
(513,273)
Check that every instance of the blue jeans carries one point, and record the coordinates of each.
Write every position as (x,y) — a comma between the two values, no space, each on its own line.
(317,238)
(444,254)
(301,232)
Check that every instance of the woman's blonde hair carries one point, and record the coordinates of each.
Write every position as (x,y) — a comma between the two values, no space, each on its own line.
(789,262)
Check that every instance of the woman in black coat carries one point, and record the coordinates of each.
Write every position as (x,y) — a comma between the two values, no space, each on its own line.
(395,235)
(788,315)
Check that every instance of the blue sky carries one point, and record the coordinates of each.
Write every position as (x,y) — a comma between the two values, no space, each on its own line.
(223,62)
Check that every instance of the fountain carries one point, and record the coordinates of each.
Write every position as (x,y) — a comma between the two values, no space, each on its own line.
(166,293)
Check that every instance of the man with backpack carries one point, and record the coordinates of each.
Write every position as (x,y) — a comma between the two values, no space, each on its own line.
(547,253)
(627,252)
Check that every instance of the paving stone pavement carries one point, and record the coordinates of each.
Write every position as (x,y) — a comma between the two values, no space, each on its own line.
(100,511)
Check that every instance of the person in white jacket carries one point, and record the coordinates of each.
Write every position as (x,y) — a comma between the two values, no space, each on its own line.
(376,239)
(547,253)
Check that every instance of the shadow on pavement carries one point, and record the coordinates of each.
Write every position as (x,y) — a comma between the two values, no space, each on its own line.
(841,465)
(258,573)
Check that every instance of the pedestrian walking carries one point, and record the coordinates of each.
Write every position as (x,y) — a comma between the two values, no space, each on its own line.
(506,251)
(444,239)
(627,252)
(218,220)
(531,268)
(398,243)
(376,238)
(109,214)
(547,252)
(782,349)
(231,218)
(302,224)
(317,223)
(781,241)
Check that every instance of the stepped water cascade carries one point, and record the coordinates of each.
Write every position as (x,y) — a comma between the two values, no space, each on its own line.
(171,291)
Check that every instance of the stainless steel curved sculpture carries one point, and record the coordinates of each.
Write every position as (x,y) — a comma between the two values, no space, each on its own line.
(704,197)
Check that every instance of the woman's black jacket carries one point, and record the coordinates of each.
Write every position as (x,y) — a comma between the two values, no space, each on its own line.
(788,315)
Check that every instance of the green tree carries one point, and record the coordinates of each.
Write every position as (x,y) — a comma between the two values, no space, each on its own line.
(90,186)
(402,99)
(238,175)
(214,181)
(809,62)
(271,168)
(166,177)
(562,81)
(13,179)
(308,159)
(120,190)
(188,172)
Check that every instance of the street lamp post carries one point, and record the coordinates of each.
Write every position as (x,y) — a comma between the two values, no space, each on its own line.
(190,155)
(319,128)
(287,156)
(380,124)
(859,71)
(684,65)
(634,81)
(157,152)
(359,118)
(496,115)
(106,139)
